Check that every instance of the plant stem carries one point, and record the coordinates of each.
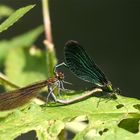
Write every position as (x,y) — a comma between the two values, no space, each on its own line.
(6,82)
(47,22)
(80,98)
(48,42)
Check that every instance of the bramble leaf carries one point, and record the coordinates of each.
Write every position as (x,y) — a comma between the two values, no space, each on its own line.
(107,121)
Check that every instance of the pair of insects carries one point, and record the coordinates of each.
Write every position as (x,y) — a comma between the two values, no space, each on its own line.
(80,64)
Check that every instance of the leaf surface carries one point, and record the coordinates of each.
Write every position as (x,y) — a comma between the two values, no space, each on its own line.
(106,121)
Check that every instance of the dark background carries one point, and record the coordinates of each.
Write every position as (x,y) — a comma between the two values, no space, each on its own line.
(109,31)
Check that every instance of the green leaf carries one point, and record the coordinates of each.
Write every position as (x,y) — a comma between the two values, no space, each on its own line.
(27,39)
(106,121)
(15,17)
(52,132)
(5,11)
(28,65)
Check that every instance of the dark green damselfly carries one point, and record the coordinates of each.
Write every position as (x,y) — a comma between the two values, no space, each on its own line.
(82,66)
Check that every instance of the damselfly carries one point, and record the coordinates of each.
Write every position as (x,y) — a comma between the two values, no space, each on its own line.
(21,96)
(82,66)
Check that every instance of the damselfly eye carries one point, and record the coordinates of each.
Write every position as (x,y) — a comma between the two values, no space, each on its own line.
(61,77)
(117,90)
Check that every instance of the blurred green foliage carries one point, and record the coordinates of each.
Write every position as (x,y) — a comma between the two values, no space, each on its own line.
(5,11)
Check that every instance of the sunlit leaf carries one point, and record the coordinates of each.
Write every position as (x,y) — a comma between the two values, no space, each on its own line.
(106,121)
(24,66)
(14,17)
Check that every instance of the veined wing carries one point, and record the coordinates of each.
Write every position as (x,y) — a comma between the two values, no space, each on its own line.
(82,65)
(19,97)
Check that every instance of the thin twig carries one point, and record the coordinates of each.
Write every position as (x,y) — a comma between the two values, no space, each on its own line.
(6,82)
(47,22)
(82,97)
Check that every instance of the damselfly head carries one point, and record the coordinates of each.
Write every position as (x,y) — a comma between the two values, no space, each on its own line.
(59,75)
(117,90)
(108,87)
(114,93)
